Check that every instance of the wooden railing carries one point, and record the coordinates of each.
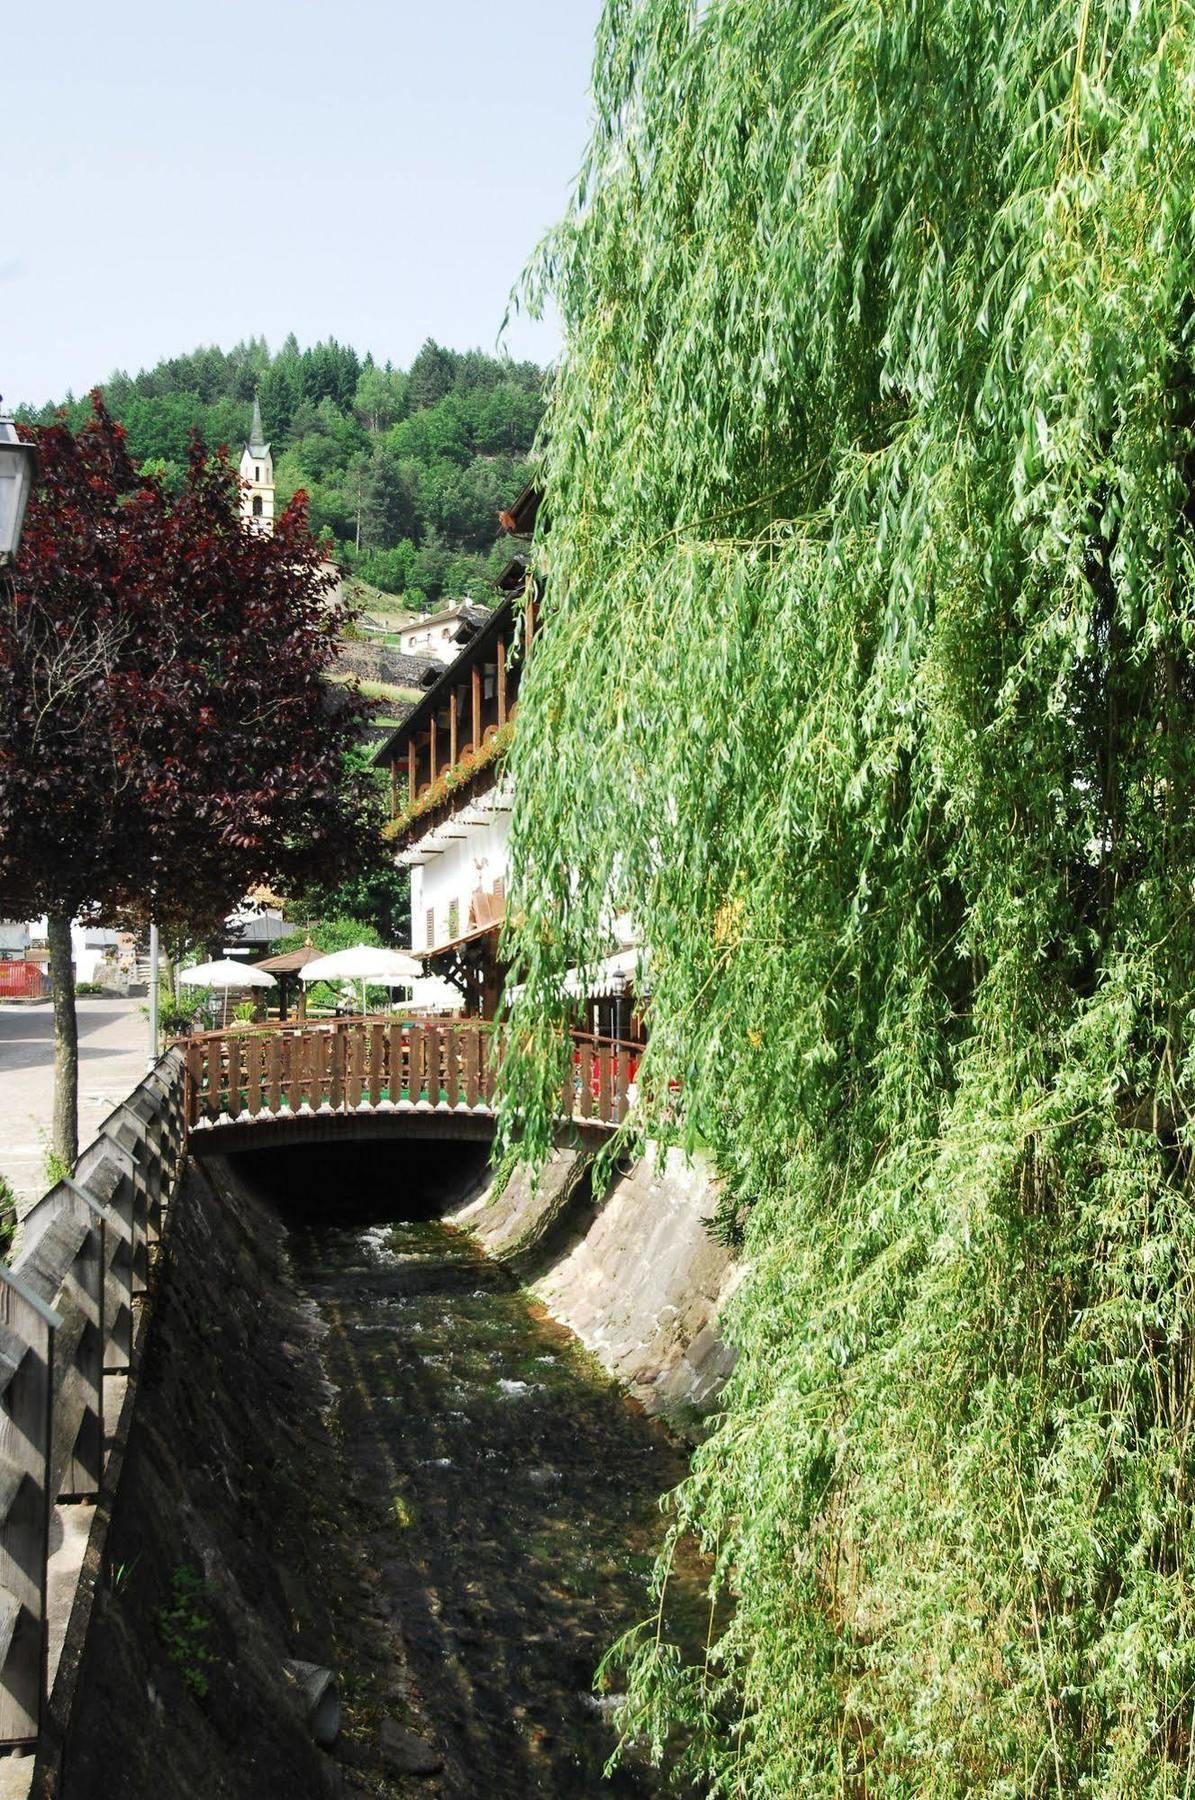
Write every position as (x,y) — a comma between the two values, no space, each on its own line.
(67,1325)
(347,1065)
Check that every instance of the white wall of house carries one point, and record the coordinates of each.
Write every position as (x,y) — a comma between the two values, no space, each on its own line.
(92,945)
(450,877)
(432,635)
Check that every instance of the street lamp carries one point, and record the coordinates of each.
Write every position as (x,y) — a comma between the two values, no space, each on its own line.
(18,466)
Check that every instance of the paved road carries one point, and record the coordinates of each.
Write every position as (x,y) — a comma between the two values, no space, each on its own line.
(113,1048)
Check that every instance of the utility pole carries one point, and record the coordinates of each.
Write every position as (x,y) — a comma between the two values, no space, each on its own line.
(153,995)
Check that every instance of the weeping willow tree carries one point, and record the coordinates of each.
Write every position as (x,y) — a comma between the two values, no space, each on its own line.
(866,684)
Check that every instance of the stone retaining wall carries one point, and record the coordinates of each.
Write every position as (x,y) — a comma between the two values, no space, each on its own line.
(382,662)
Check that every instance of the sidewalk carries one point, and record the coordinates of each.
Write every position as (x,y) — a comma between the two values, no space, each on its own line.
(113,1052)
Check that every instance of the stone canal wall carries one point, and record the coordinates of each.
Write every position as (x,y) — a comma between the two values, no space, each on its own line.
(633,1271)
(213,1578)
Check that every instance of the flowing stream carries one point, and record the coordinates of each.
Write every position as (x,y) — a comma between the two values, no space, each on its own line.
(508,1495)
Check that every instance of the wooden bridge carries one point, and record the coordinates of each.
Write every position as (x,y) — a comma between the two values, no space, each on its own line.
(413,1077)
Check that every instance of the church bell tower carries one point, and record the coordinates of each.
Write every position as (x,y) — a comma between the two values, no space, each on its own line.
(257,470)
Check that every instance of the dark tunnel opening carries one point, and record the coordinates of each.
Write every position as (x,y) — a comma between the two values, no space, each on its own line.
(364,1182)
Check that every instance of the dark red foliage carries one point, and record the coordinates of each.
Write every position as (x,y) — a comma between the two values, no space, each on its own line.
(164,742)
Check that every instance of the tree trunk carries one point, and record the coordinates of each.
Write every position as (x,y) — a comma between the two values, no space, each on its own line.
(64,1131)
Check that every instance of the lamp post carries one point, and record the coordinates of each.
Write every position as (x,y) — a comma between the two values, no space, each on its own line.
(18,466)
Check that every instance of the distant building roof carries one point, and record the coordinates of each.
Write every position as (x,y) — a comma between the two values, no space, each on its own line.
(467,612)
(253,927)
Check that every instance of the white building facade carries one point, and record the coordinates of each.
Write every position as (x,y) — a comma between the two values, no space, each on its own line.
(458,888)
(441,634)
(451,808)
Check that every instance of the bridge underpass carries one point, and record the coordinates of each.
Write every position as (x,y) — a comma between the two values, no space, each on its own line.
(353,1179)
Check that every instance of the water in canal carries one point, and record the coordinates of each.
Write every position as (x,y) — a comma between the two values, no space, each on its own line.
(508,1496)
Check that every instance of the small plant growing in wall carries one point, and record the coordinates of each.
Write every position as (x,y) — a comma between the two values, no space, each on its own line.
(8,1216)
(184,1625)
(56,1168)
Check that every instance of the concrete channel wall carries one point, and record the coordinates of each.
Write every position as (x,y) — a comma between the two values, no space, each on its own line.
(632,1270)
(71,1309)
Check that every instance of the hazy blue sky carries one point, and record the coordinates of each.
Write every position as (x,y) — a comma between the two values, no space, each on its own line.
(197,171)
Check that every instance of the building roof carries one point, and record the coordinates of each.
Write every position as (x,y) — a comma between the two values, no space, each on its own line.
(519,518)
(513,579)
(291,960)
(254,926)
(467,611)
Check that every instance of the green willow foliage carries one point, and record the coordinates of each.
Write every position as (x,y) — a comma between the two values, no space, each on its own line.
(866,684)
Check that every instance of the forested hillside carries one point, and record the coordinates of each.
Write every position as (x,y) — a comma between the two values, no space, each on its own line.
(405,469)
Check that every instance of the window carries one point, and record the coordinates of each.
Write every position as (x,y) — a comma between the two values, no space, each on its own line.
(256,473)
(454,920)
(430,939)
(257,506)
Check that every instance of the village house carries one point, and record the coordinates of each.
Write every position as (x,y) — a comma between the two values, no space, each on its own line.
(450,807)
(440,634)
(450,803)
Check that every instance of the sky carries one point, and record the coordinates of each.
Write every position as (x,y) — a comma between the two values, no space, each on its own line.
(192,172)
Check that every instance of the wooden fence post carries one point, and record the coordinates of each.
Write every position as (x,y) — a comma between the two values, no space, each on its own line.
(27,1330)
(415,1064)
(133,1207)
(101,1178)
(451,1048)
(77,1436)
(431,1063)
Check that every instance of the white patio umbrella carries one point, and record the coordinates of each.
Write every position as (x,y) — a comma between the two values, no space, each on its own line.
(363,962)
(226,974)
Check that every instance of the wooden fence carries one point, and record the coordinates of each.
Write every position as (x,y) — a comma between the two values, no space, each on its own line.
(67,1325)
(347,1065)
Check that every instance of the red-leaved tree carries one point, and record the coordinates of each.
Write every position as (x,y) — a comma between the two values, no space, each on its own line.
(166,742)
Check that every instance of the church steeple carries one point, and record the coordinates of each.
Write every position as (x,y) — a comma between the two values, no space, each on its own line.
(257,437)
(257,474)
